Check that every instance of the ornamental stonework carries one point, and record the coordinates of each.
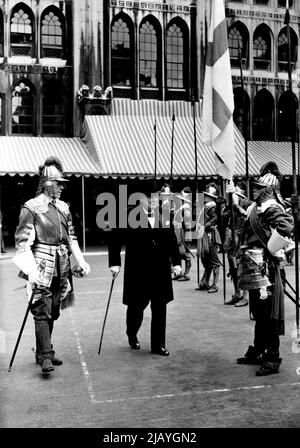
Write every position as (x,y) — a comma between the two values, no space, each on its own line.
(152,6)
(230,12)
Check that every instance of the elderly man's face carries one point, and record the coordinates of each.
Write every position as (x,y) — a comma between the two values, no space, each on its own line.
(54,189)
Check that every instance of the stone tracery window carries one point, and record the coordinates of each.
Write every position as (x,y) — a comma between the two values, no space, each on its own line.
(283,49)
(148,55)
(21,32)
(22,109)
(176,55)
(122,66)
(262,48)
(238,43)
(52,34)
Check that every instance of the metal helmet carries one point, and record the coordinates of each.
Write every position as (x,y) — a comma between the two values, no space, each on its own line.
(50,171)
(269,175)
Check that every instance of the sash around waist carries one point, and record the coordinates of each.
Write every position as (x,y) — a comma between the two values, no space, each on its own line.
(51,249)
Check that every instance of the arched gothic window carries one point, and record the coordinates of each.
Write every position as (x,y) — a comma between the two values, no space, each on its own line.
(1,104)
(21,31)
(282,3)
(263,116)
(261,2)
(262,48)
(53,109)
(1,34)
(238,43)
(149,55)
(176,55)
(241,113)
(52,33)
(283,50)
(122,61)
(287,116)
(22,108)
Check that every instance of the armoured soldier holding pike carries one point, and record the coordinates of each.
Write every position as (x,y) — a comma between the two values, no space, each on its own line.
(44,240)
(265,234)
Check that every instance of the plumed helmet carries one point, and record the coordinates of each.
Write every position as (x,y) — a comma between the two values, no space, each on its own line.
(269,175)
(50,171)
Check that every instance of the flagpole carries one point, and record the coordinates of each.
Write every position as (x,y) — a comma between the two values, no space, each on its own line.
(155,156)
(245,121)
(196,173)
(172,151)
(218,101)
(220,201)
(295,187)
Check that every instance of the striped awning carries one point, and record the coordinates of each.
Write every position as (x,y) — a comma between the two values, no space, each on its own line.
(23,155)
(125,141)
(279,152)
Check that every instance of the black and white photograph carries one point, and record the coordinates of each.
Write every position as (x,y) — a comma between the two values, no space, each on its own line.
(149,221)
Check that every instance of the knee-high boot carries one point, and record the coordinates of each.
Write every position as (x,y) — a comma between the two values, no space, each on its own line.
(188,265)
(55,361)
(205,278)
(43,340)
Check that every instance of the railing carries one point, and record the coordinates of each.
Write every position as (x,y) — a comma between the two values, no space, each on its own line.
(52,52)
(262,64)
(20,50)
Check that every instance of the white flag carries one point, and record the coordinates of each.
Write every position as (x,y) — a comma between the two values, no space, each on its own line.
(218,103)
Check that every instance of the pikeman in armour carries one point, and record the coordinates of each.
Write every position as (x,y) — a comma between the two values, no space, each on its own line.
(209,241)
(231,245)
(183,229)
(265,234)
(45,240)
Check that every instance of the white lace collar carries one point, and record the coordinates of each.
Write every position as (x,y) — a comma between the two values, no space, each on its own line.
(40,204)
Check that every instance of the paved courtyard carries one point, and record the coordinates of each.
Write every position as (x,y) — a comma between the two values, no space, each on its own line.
(198,386)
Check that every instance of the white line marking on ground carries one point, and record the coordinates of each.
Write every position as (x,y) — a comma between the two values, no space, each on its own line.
(82,361)
(98,290)
(190,393)
(101,253)
(91,279)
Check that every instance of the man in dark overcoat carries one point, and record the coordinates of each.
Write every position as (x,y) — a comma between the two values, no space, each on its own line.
(150,250)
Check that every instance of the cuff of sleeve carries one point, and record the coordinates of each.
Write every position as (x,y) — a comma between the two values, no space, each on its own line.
(25,261)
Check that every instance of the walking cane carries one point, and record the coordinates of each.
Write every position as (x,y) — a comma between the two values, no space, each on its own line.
(109,297)
(22,328)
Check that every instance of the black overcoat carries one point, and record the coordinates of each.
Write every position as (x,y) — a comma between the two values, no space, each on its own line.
(149,253)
